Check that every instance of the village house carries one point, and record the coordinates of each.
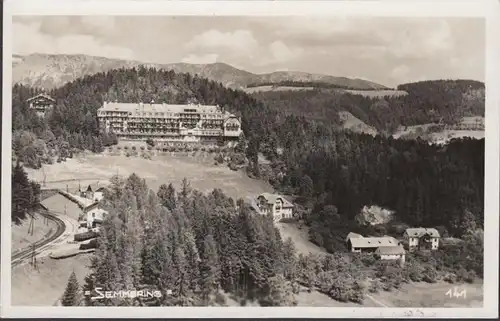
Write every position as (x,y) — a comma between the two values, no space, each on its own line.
(93,215)
(276,205)
(41,103)
(385,248)
(93,192)
(422,238)
(360,244)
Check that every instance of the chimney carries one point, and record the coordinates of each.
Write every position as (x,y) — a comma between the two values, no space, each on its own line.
(152,101)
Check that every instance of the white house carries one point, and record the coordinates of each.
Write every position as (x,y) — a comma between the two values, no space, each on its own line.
(422,238)
(94,215)
(391,253)
(276,205)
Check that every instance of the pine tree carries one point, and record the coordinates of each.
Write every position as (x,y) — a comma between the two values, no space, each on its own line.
(71,296)
(167,196)
(24,193)
(210,267)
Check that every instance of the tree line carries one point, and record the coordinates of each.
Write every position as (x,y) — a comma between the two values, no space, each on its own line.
(25,194)
(201,249)
(302,84)
(438,102)
(313,159)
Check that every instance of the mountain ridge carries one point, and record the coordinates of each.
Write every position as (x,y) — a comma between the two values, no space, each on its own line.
(50,71)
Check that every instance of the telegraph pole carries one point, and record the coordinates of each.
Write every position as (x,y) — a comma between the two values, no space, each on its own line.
(33,257)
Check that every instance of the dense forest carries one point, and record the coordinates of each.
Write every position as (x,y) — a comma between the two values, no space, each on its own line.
(25,194)
(425,185)
(208,250)
(442,101)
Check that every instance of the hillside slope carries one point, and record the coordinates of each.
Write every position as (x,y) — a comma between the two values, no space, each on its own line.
(51,71)
(444,103)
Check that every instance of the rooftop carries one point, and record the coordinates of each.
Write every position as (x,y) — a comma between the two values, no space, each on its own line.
(421,231)
(353,235)
(41,96)
(372,242)
(390,250)
(272,198)
(159,108)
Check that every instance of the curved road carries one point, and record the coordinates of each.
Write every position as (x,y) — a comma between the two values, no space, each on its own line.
(41,245)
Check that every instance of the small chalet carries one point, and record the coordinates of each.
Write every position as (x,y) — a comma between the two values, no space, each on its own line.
(422,238)
(276,205)
(93,192)
(41,103)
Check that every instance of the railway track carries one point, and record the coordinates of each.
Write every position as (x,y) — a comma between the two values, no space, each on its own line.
(19,257)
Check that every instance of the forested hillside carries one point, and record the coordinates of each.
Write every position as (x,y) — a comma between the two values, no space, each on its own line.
(426,185)
(199,249)
(73,122)
(441,101)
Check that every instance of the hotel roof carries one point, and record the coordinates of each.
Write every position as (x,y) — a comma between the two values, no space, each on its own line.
(158,108)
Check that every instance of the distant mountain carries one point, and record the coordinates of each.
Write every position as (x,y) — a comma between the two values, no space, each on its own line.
(51,71)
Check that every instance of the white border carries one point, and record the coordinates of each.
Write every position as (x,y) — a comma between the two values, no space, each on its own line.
(487,8)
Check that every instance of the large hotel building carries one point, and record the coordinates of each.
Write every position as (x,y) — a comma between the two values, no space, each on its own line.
(169,125)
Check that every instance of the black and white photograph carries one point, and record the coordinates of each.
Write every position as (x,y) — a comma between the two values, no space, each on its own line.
(250,160)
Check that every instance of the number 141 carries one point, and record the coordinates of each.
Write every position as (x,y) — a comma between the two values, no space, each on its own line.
(455,293)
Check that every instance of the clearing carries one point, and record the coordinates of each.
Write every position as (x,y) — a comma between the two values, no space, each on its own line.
(300,238)
(426,295)
(355,124)
(45,285)
(162,169)
(20,236)
(377,93)
(251,90)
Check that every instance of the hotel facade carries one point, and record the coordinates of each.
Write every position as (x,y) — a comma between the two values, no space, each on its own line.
(169,125)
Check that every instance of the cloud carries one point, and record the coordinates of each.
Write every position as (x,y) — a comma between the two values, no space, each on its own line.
(401,72)
(240,41)
(201,59)
(28,38)
(386,50)
(103,25)
(282,52)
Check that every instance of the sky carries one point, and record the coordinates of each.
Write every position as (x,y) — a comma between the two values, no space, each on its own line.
(386,50)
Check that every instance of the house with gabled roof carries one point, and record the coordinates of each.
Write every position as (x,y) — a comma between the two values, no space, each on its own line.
(422,238)
(93,192)
(276,205)
(41,103)
(385,247)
